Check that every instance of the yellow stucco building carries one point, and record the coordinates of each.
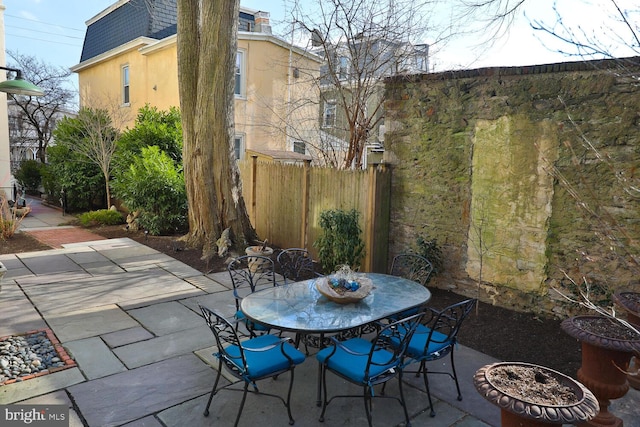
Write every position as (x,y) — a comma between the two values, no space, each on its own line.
(129,59)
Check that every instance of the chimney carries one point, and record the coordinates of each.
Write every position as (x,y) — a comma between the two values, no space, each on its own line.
(262,23)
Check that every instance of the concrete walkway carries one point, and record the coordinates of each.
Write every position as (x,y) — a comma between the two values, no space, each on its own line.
(128,316)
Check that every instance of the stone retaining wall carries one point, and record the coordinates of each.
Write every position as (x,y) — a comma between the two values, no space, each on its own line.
(499,164)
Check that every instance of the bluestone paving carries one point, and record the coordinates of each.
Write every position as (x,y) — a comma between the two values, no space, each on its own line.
(165,318)
(179,269)
(46,279)
(88,257)
(94,358)
(17,315)
(106,289)
(101,268)
(158,299)
(222,302)
(40,385)
(47,264)
(164,347)
(149,421)
(207,284)
(126,252)
(221,277)
(56,398)
(88,322)
(126,336)
(137,393)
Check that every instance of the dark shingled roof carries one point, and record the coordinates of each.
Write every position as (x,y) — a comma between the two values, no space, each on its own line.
(155,19)
(133,19)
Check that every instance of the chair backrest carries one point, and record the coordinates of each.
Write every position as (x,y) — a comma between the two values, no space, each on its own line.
(444,325)
(250,273)
(393,337)
(226,337)
(412,266)
(296,264)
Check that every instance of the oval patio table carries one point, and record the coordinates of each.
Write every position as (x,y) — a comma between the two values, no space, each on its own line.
(299,307)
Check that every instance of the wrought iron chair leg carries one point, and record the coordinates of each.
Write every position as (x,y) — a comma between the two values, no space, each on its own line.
(323,373)
(291,420)
(367,404)
(402,401)
(213,390)
(455,376)
(426,386)
(244,397)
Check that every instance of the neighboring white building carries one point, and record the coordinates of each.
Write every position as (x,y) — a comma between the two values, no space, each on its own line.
(6,179)
(23,137)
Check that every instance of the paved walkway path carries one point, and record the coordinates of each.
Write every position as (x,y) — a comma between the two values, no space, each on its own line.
(49,226)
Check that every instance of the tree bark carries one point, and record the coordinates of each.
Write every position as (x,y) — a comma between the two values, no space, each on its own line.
(207,47)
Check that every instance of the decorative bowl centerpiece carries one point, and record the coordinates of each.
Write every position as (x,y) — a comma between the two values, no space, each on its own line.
(344,286)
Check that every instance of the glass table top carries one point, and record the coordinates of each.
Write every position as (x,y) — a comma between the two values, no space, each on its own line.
(301,307)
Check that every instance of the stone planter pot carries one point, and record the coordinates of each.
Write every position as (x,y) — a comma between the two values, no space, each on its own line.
(630,303)
(3,270)
(532,395)
(605,357)
(255,264)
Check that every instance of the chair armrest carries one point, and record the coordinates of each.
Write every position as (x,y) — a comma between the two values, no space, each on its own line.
(278,343)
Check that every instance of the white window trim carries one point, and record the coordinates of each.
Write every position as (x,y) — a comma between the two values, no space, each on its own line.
(324,113)
(243,74)
(243,146)
(125,83)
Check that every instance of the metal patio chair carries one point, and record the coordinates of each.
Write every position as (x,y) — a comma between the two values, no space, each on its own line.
(436,338)
(251,360)
(369,363)
(296,264)
(411,266)
(414,267)
(250,273)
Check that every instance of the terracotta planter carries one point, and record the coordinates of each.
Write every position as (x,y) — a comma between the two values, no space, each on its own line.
(521,402)
(603,359)
(256,264)
(630,303)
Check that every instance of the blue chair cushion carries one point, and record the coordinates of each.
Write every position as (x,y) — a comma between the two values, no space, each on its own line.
(416,349)
(267,362)
(250,323)
(353,366)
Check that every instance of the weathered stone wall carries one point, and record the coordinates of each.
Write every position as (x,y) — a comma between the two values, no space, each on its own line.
(499,165)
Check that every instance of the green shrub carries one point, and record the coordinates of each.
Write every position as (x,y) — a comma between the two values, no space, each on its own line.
(101,217)
(153,186)
(82,182)
(340,242)
(29,175)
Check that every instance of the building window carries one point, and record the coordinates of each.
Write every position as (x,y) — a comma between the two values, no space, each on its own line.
(239,73)
(343,68)
(125,85)
(238,146)
(329,117)
(299,147)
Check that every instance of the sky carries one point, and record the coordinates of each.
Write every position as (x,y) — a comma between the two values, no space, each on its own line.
(53,32)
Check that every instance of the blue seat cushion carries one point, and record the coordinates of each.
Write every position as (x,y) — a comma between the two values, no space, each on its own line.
(250,323)
(267,362)
(353,366)
(416,349)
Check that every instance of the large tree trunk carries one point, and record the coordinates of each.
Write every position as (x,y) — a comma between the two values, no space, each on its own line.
(206,61)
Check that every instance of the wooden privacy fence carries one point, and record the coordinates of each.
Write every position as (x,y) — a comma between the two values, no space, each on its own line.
(285,201)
